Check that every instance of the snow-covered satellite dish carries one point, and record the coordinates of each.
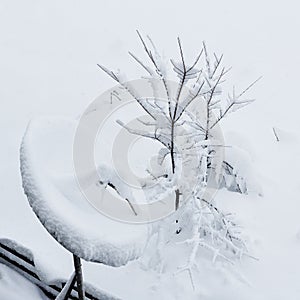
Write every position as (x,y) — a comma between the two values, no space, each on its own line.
(53,193)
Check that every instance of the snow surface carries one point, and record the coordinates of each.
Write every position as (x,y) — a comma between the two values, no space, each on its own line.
(15,287)
(48,66)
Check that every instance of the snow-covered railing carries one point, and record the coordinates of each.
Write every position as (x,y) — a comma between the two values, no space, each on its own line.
(20,259)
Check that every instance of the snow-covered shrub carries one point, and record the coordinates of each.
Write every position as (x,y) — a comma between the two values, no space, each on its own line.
(185,124)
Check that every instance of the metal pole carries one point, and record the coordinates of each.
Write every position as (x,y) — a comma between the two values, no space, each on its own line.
(79,279)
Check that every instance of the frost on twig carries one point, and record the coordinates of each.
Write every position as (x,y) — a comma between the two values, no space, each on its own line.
(214,232)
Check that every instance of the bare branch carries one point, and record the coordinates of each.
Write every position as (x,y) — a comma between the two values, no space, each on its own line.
(218,62)
(147,50)
(249,87)
(109,73)
(234,101)
(185,106)
(276,135)
(116,78)
(182,79)
(207,60)
(127,200)
(196,61)
(181,54)
(157,69)
(212,92)
(141,63)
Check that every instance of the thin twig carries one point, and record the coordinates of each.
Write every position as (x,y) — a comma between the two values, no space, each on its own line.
(118,192)
(276,135)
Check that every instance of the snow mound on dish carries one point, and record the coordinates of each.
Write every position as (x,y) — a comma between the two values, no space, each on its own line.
(54,195)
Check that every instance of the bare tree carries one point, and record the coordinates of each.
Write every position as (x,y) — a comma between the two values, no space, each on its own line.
(201,82)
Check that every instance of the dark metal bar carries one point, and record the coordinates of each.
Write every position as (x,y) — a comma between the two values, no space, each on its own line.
(79,277)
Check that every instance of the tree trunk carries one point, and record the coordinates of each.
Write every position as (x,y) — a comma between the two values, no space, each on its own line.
(172,147)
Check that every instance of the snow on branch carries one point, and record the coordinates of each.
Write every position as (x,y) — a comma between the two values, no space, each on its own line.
(155,135)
